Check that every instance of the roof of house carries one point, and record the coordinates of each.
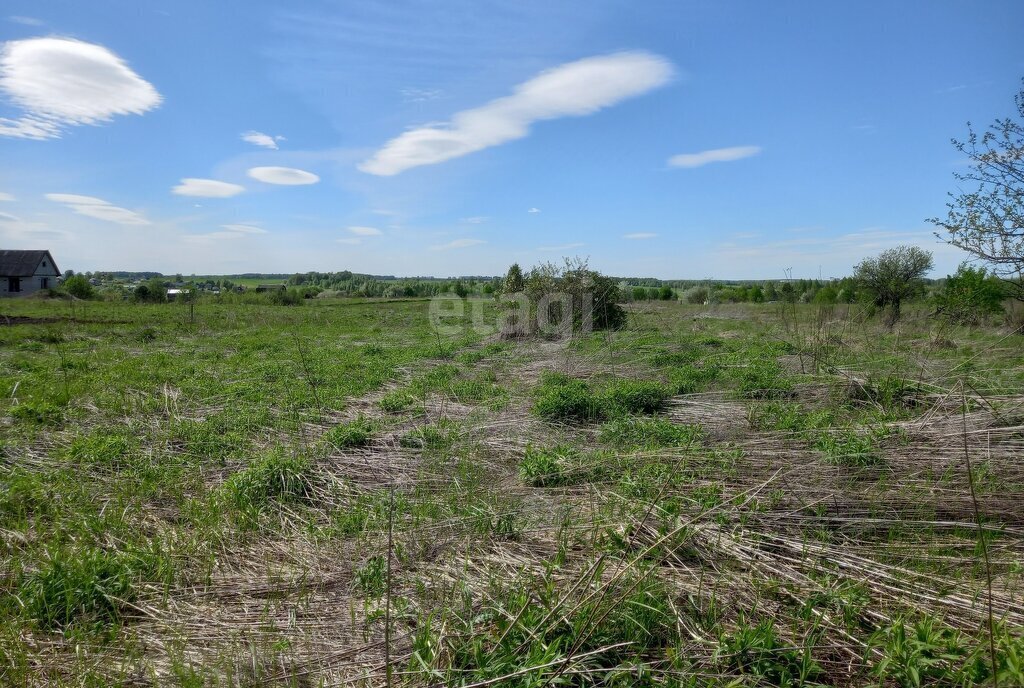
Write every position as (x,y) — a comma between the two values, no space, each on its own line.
(23,263)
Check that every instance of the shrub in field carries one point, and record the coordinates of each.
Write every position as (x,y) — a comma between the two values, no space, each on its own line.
(764,379)
(969,295)
(38,413)
(758,651)
(927,652)
(690,379)
(890,392)
(274,477)
(354,433)
(101,448)
(634,396)
(440,435)
(850,448)
(395,401)
(649,433)
(371,577)
(520,634)
(79,287)
(75,585)
(561,398)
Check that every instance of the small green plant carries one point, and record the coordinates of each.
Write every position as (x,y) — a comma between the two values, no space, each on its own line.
(275,477)
(76,585)
(690,379)
(435,436)
(927,652)
(38,413)
(848,447)
(757,650)
(634,396)
(764,379)
(371,577)
(564,399)
(354,433)
(649,433)
(101,448)
(396,401)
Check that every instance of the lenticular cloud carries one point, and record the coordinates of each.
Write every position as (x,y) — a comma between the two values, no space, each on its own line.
(573,89)
(60,82)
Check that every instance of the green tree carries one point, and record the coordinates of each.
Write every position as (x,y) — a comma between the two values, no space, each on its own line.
(893,277)
(514,282)
(988,222)
(79,287)
(666,293)
(970,294)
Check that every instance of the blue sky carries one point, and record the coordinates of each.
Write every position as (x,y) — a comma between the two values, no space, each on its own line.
(668,139)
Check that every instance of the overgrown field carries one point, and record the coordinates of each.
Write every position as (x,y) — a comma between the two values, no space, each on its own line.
(334,494)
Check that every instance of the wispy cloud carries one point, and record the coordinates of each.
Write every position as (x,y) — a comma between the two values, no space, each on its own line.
(99,209)
(284,176)
(207,188)
(716,155)
(258,138)
(563,247)
(420,95)
(475,220)
(6,196)
(573,89)
(245,229)
(25,21)
(60,82)
(458,243)
(349,240)
(364,231)
(639,235)
(533,210)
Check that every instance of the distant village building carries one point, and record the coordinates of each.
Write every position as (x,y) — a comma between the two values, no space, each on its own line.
(26,272)
(270,287)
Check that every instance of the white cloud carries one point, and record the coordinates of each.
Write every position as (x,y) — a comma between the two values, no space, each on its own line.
(25,21)
(60,82)
(97,208)
(258,138)
(365,231)
(420,95)
(716,155)
(7,217)
(6,196)
(475,220)
(350,240)
(286,176)
(458,243)
(231,233)
(207,188)
(245,229)
(570,90)
(533,210)
(563,247)
(639,235)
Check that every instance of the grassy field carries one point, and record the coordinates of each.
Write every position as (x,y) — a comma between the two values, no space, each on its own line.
(333,494)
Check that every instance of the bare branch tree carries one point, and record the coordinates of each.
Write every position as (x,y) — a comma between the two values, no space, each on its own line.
(989,221)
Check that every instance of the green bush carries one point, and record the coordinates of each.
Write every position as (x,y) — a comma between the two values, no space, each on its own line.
(354,433)
(274,477)
(564,399)
(634,396)
(649,433)
(79,287)
(969,295)
(764,379)
(38,413)
(79,584)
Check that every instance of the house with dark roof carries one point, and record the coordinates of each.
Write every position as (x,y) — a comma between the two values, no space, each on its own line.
(26,272)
